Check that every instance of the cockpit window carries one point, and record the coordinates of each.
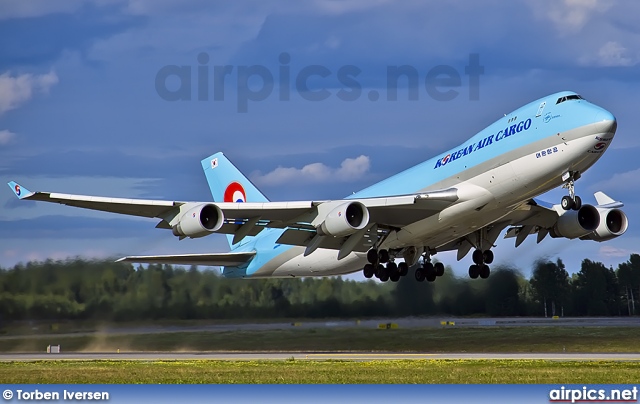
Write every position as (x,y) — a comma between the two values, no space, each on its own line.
(568,97)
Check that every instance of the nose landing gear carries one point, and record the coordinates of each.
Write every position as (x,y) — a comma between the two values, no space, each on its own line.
(571,201)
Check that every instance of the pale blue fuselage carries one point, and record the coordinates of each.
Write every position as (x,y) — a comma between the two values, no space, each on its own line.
(518,157)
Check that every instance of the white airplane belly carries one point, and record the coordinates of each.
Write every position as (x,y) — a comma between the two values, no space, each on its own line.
(322,262)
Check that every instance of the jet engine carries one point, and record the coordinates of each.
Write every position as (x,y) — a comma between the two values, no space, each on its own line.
(613,223)
(576,223)
(344,219)
(199,221)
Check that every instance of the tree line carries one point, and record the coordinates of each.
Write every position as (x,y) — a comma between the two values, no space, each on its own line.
(110,291)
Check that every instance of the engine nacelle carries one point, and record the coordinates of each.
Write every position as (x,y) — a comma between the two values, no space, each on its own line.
(613,223)
(344,220)
(576,223)
(199,221)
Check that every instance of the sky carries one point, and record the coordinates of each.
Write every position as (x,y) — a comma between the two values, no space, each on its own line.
(124,98)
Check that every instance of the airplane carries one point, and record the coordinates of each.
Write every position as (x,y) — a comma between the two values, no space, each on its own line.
(459,200)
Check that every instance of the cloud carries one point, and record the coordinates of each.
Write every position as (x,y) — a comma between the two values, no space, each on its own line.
(36,8)
(570,16)
(16,90)
(614,252)
(618,182)
(350,170)
(47,227)
(614,54)
(347,6)
(6,137)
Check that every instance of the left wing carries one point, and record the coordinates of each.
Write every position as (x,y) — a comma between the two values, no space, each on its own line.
(232,259)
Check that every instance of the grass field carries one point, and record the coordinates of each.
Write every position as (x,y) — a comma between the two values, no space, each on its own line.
(493,339)
(290,371)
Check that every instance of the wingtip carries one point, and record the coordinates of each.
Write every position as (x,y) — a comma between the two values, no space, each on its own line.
(603,199)
(18,190)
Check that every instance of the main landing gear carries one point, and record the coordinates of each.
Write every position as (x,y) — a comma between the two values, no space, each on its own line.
(479,266)
(382,266)
(390,271)
(428,270)
(571,201)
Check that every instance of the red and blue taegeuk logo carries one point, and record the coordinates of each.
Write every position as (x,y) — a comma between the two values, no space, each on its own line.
(18,190)
(235,193)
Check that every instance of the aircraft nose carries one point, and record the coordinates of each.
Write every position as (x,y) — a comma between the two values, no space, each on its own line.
(605,122)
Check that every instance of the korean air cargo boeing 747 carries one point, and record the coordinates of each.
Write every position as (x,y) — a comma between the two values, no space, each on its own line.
(460,200)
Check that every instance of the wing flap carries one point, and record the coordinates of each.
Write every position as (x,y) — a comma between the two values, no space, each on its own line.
(232,259)
(303,238)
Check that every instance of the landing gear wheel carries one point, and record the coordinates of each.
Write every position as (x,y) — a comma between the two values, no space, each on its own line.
(394,277)
(380,271)
(474,271)
(487,256)
(392,268)
(485,271)
(383,256)
(477,256)
(577,203)
(368,271)
(439,267)
(372,256)
(431,277)
(420,275)
(403,268)
(567,203)
(384,277)
(429,270)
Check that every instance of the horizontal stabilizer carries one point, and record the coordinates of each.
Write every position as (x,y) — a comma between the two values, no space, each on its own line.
(233,259)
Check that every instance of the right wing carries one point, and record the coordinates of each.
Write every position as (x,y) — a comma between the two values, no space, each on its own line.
(301,219)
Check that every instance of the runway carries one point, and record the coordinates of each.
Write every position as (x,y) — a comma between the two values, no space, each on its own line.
(404,323)
(317,356)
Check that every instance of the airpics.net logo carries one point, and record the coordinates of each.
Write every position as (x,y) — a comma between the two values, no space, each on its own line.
(255,83)
(585,394)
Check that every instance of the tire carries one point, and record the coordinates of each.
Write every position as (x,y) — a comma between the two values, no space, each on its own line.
(428,269)
(372,256)
(485,271)
(431,277)
(487,256)
(419,275)
(567,203)
(392,267)
(383,256)
(368,271)
(577,203)
(395,277)
(384,277)
(403,268)
(477,257)
(474,271)
(380,271)
(439,267)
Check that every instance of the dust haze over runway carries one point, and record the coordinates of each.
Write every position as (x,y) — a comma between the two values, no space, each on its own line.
(403,323)
(407,322)
(317,356)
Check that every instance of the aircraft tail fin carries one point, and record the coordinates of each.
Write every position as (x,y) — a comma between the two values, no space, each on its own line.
(228,184)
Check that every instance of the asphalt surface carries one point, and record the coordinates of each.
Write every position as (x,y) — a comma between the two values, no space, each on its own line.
(245,356)
(375,323)
(408,322)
